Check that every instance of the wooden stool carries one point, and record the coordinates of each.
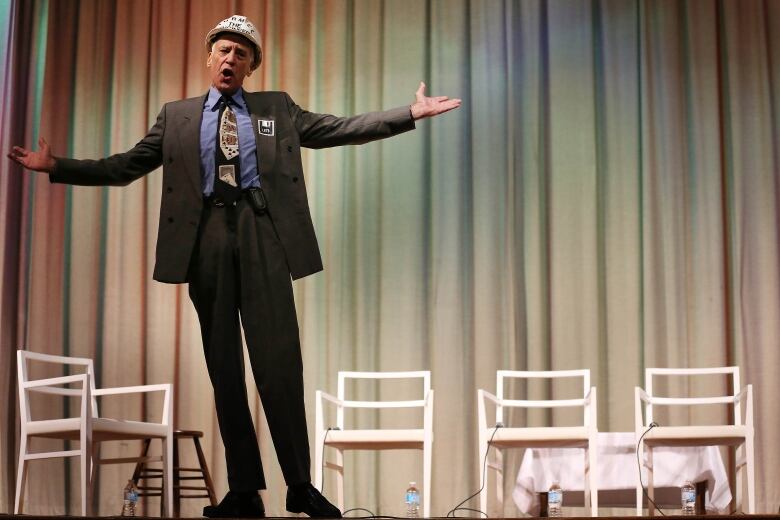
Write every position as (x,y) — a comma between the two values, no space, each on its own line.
(142,471)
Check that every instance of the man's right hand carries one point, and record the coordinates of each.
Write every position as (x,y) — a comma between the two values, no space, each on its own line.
(40,161)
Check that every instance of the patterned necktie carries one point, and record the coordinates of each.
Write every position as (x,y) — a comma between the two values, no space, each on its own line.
(227,178)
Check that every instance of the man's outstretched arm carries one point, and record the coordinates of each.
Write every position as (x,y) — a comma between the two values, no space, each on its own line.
(326,130)
(116,170)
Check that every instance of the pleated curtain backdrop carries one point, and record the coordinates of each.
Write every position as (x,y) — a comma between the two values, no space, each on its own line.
(607,197)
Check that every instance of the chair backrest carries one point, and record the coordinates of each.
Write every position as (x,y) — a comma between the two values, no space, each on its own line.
(23,357)
(503,375)
(344,377)
(729,398)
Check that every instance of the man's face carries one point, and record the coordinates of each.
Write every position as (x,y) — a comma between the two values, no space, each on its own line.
(229,62)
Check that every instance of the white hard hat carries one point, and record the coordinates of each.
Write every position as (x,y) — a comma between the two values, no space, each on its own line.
(240,25)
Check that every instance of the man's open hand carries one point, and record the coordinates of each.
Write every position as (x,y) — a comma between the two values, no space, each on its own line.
(41,160)
(426,106)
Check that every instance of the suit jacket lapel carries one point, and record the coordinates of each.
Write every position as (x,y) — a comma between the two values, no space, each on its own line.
(187,124)
(262,111)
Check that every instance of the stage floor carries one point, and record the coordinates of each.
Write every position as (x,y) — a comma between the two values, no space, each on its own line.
(614,517)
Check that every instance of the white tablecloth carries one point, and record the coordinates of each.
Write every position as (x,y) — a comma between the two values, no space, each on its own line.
(617,470)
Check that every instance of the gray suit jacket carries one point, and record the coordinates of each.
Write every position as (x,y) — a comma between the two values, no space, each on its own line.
(174,143)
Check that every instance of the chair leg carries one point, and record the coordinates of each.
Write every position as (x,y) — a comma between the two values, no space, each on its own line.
(21,476)
(175,476)
(586,483)
(168,472)
(650,486)
(484,450)
(639,491)
(95,461)
(206,475)
(140,466)
(739,490)
(86,481)
(340,479)
(500,482)
(318,455)
(94,468)
(593,476)
(427,459)
(749,469)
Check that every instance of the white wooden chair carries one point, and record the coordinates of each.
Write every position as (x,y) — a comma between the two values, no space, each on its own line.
(346,438)
(583,436)
(88,428)
(738,434)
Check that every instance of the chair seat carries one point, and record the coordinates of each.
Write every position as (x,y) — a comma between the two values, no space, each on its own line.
(102,429)
(375,439)
(541,437)
(718,435)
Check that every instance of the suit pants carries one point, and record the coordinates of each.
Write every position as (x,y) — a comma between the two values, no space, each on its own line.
(239,277)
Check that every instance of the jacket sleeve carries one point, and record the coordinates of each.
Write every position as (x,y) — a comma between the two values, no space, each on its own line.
(325,130)
(118,169)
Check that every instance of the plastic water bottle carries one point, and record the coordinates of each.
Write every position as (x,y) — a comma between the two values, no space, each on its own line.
(555,500)
(130,499)
(412,501)
(688,497)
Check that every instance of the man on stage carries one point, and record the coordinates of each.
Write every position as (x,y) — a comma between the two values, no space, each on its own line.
(235,225)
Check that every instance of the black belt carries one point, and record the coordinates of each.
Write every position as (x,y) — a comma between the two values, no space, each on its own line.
(255,196)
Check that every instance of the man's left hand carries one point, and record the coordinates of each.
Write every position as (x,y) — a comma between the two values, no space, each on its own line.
(426,106)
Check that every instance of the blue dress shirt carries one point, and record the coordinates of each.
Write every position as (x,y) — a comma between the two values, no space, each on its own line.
(246,141)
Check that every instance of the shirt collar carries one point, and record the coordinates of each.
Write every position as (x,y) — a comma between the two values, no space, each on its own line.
(212,99)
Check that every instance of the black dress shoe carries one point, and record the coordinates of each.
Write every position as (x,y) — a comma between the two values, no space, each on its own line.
(237,505)
(304,498)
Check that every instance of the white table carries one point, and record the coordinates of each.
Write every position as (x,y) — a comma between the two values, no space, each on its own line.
(617,470)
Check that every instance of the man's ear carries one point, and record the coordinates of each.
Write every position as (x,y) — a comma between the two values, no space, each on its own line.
(208,60)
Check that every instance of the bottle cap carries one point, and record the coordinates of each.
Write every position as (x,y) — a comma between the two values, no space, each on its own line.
(412,483)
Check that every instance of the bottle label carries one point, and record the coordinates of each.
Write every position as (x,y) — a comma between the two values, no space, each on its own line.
(689,496)
(412,497)
(554,497)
